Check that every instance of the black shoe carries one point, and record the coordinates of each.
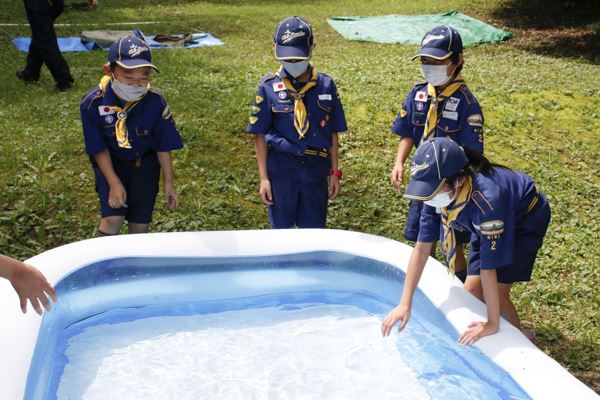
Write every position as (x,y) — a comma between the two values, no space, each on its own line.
(64,86)
(22,75)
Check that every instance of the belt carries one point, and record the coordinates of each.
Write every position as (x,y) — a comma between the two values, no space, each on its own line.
(314,152)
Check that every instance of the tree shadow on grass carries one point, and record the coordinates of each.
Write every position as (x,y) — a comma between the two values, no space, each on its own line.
(554,27)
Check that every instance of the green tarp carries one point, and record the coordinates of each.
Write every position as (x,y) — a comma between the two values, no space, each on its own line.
(409,29)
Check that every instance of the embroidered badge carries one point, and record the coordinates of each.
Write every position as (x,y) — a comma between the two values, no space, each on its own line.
(283,94)
(324,121)
(421,96)
(278,86)
(253,120)
(289,35)
(452,104)
(453,115)
(166,114)
(492,229)
(403,113)
(258,99)
(255,110)
(109,119)
(475,120)
(105,110)
(420,106)
(324,97)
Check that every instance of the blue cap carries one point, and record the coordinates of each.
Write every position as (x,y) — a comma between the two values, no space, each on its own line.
(293,39)
(440,43)
(434,161)
(131,52)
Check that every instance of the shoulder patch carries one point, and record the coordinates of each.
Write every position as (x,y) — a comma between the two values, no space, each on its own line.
(492,229)
(481,202)
(475,120)
(403,113)
(267,77)
(464,89)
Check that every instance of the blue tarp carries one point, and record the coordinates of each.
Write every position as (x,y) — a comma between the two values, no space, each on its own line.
(71,44)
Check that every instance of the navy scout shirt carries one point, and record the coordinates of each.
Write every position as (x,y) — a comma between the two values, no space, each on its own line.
(150,125)
(273,114)
(496,214)
(459,117)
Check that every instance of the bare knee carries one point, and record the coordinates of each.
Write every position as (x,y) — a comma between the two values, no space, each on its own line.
(111,225)
(138,228)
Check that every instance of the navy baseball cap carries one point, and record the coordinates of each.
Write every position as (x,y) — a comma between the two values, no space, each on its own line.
(293,39)
(434,161)
(131,52)
(440,43)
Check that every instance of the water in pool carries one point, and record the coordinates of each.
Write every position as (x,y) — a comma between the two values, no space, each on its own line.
(240,329)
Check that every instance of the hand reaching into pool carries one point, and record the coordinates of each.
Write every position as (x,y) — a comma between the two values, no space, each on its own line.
(477,330)
(399,313)
(29,283)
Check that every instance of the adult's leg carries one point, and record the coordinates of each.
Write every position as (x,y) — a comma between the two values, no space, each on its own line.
(45,43)
(33,66)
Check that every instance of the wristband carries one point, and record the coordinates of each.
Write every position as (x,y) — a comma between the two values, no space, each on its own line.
(336,172)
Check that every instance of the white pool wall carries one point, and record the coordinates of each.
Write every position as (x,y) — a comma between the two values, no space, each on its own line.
(539,375)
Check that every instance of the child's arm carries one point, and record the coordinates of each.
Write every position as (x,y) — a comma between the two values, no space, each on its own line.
(404,148)
(416,265)
(166,164)
(28,282)
(117,196)
(478,329)
(334,180)
(260,145)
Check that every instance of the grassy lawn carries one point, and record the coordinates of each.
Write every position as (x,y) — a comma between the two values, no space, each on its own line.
(541,106)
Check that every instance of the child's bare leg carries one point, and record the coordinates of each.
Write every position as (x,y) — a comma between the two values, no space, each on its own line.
(110,225)
(507,308)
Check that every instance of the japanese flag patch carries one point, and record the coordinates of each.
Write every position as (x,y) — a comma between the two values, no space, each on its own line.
(278,86)
(105,110)
(421,96)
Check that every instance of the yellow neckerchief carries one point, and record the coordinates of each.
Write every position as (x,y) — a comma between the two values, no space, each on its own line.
(121,125)
(300,121)
(449,215)
(432,114)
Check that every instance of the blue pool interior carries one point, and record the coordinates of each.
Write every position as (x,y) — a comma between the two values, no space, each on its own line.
(126,289)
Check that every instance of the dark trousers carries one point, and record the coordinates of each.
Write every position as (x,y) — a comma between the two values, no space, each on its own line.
(44,45)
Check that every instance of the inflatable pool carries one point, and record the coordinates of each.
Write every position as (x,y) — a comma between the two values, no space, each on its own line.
(257,314)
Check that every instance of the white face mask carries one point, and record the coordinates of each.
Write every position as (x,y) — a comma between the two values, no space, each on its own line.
(437,75)
(440,200)
(128,92)
(295,69)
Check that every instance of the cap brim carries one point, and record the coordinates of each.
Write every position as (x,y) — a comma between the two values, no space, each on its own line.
(132,64)
(291,53)
(423,190)
(438,54)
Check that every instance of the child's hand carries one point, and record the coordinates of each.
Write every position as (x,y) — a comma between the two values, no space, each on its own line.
(171,196)
(399,313)
(117,196)
(265,192)
(29,283)
(476,331)
(334,186)
(396,176)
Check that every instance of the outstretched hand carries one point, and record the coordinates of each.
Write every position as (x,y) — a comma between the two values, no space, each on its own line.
(30,284)
(399,313)
(475,331)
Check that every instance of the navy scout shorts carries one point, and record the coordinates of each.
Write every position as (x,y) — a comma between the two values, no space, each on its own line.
(299,185)
(528,240)
(141,185)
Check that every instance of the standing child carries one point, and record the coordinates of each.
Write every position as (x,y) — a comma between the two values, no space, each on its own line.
(503,209)
(441,106)
(295,119)
(129,134)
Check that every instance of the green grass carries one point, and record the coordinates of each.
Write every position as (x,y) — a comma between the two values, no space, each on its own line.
(542,117)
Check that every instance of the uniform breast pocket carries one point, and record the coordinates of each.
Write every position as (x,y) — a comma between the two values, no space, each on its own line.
(324,103)
(109,130)
(449,123)
(282,108)
(418,119)
(142,131)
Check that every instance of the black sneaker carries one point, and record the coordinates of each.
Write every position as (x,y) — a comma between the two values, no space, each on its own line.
(64,86)
(22,75)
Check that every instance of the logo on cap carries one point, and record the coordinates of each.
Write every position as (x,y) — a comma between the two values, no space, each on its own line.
(418,167)
(289,35)
(430,37)
(136,50)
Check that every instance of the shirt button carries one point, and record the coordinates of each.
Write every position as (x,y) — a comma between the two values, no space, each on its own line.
(309,114)
(314,134)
